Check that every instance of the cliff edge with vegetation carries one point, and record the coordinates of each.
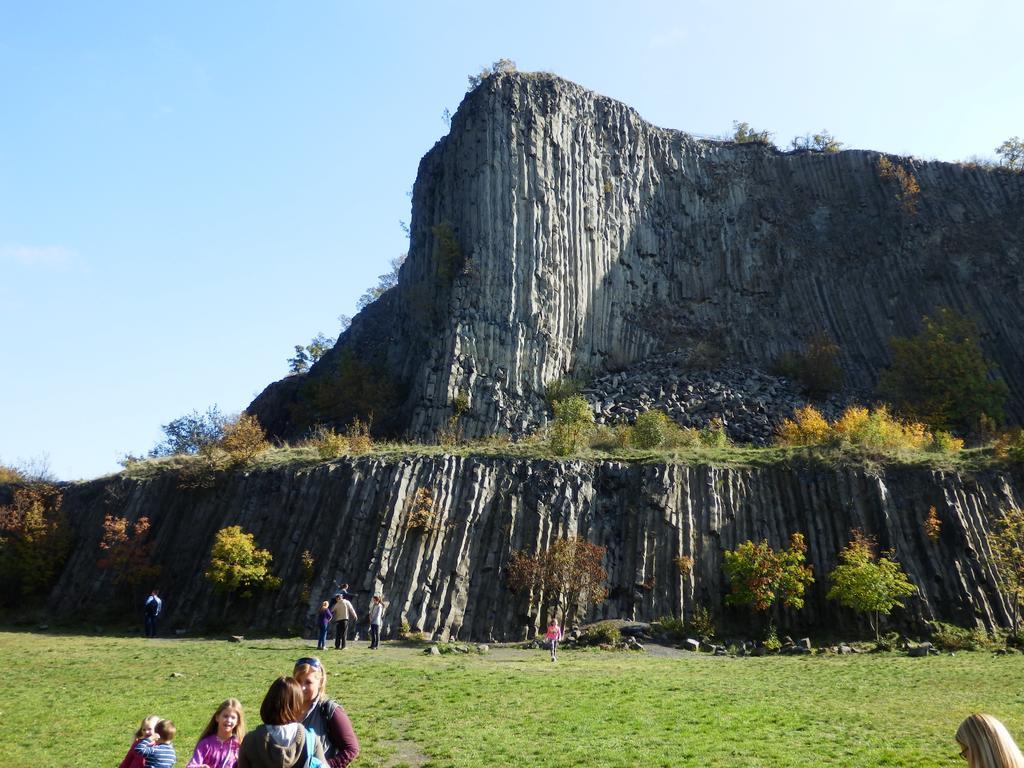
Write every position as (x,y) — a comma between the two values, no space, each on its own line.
(554,232)
(433,536)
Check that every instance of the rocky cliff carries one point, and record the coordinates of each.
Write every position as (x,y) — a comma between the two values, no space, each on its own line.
(448,580)
(554,231)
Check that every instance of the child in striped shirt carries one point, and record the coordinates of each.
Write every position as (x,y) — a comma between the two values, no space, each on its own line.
(157,750)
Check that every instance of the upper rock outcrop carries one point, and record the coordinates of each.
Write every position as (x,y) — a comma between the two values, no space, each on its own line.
(554,231)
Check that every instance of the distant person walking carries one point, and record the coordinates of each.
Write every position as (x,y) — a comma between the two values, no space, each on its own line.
(152,609)
(343,610)
(376,620)
(553,635)
(985,743)
(323,618)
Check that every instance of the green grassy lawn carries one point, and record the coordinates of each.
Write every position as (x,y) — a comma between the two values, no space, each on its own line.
(75,700)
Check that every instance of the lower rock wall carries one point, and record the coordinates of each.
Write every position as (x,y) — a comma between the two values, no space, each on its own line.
(448,581)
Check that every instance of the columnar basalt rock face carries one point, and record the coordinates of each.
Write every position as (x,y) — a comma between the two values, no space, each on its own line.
(593,239)
(448,580)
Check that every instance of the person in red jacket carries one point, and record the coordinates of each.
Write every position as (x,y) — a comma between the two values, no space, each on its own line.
(133,759)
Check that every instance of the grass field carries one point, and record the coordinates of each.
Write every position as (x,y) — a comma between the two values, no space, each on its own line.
(74,700)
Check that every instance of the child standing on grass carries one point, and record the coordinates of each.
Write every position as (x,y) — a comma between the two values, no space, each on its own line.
(218,746)
(324,619)
(554,634)
(133,759)
(157,750)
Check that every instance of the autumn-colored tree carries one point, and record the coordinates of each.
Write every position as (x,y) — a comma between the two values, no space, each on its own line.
(907,188)
(932,524)
(866,582)
(34,541)
(569,574)
(421,516)
(243,439)
(236,565)
(759,575)
(126,552)
(1006,540)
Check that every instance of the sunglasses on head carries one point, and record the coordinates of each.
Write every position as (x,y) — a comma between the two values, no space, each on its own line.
(311,661)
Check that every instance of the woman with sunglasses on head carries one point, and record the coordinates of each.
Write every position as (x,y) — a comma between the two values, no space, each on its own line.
(985,743)
(325,716)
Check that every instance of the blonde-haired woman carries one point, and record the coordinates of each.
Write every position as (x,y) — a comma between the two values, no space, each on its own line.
(985,743)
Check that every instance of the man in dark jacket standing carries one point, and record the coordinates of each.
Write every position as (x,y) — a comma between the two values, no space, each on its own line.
(153,608)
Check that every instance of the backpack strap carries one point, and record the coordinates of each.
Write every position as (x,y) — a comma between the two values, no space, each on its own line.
(310,737)
(327,708)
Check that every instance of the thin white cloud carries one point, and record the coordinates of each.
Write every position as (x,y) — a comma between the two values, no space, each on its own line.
(43,256)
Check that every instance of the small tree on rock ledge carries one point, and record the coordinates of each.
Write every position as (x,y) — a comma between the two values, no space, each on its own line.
(866,582)
(236,564)
(759,575)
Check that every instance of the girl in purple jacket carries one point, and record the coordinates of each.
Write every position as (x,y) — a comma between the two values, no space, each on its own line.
(218,746)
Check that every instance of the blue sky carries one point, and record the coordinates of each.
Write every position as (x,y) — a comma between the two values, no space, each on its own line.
(189,189)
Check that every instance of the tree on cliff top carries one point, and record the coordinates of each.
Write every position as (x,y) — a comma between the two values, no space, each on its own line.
(1011,153)
(191,433)
(941,377)
(569,574)
(501,65)
(866,582)
(742,133)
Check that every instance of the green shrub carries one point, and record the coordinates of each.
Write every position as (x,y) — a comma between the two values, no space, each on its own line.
(714,435)
(681,437)
(573,422)
(950,637)
(941,376)
(560,389)
(328,443)
(650,429)
(601,633)
(944,442)
(771,640)
(448,257)
(701,623)
(674,629)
